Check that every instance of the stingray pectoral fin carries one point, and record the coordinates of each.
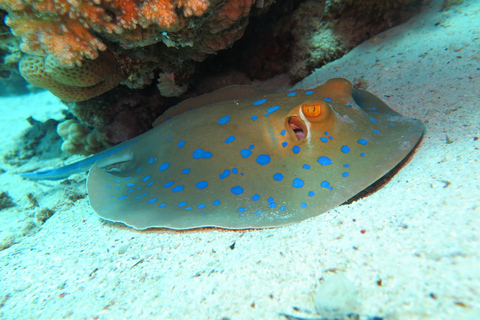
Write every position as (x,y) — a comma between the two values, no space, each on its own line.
(366,99)
(102,159)
(110,199)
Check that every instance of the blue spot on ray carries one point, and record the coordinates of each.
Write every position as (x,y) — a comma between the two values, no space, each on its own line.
(254,117)
(306,166)
(216,202)
(142,195)
(181,144)
(296,149)
(225,174)
(186,171)
(245,153)
(278,176)
(230,139)
(363,141)
(201,184)
(256,197)
(309,92)
(178,188)
(325,184)
(164,166)
(237,190)
(201,154)
(271,110)
(146,178)
(263,159)
(284,144)
(298,183)
(345,149)
(168,184)
(291,94)
(223,120)
(152,200)
(324,161)
(324,139)
(259,102)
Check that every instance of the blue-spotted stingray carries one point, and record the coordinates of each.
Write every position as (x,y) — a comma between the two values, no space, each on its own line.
(236,161)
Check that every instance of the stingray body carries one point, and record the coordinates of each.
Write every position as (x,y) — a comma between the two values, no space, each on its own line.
(267,161)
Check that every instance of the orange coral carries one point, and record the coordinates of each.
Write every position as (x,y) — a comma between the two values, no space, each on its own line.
(64,28)
(227,25)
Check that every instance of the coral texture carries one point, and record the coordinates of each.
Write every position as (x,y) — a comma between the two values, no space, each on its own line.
(78,139)
(74,83)
(74,30)
(10,80)
(323,31)
(147,38)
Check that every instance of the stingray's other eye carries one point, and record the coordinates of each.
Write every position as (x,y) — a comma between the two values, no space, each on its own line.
(314,110)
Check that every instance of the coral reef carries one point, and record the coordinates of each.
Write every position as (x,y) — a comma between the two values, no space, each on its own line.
(117,117)
(332,28)
(40,140)
(5,200)
(74,30)
(78,138)
(304,35)
(10,80)
(76,83)
(81,50)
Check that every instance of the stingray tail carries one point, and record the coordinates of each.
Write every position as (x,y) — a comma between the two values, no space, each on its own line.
(101,159)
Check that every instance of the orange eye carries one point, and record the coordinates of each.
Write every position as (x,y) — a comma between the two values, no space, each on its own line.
(312,109)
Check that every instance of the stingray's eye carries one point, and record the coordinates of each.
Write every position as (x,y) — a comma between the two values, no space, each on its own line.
(315,110)
(311,110)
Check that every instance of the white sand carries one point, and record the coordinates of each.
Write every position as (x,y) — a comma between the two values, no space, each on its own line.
(419,234)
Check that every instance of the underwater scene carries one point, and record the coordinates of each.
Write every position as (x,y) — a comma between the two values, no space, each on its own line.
(240,159)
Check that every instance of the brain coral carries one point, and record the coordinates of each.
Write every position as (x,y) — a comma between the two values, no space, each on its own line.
(76,83)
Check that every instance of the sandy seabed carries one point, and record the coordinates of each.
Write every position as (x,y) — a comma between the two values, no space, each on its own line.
(411,250)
